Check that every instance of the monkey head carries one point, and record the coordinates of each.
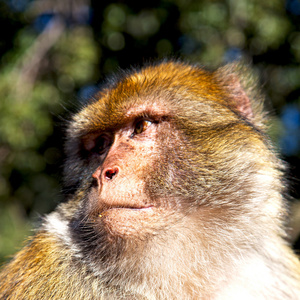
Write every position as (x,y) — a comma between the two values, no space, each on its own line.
(170,151)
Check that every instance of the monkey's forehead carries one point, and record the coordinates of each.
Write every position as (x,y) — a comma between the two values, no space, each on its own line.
(171,89)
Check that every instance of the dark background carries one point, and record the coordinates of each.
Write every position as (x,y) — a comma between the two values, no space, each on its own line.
(53,53)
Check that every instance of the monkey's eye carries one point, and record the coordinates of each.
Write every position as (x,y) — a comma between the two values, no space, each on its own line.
(141,126)
(101,143)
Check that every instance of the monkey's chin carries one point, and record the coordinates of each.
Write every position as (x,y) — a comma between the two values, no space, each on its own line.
(130,221)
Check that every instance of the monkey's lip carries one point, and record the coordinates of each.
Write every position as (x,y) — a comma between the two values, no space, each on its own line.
(128,209)
(142,208)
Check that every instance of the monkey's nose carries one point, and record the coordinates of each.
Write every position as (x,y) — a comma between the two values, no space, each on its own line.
(110,173)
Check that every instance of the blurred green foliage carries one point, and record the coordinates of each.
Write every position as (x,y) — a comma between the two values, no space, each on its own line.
(54,52)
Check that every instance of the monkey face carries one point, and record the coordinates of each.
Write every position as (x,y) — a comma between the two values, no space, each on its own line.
(118,197)
(125,182)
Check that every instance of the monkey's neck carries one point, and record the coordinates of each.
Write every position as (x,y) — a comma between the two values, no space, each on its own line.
(174,264)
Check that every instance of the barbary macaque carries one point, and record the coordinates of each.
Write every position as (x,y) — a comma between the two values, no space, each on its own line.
(175,192)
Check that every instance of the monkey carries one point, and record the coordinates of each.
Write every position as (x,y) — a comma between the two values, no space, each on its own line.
(174,191)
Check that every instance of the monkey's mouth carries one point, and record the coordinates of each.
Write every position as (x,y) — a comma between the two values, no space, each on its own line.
(144,208)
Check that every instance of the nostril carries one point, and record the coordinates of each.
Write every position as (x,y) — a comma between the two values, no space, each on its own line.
(110,173)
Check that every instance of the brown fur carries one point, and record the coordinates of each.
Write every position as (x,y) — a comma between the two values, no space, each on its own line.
(190,208)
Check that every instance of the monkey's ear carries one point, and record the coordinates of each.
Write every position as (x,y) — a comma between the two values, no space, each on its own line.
(240,84)
(241,100)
